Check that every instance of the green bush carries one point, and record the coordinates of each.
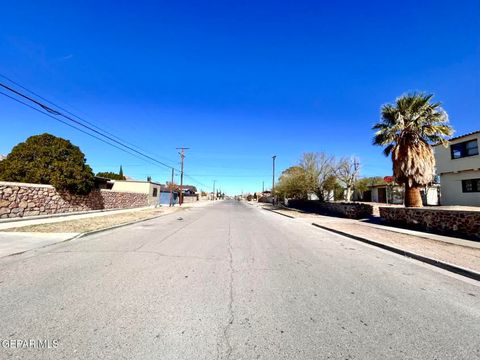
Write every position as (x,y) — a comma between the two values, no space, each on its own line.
(111,175)
(47,159)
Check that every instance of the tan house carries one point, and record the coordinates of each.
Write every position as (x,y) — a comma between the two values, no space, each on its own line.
(459,169)
(138,186)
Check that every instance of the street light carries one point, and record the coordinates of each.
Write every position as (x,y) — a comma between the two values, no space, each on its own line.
(273,178)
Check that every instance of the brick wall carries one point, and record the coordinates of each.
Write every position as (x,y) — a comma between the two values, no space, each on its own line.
(449,222)
(19,200)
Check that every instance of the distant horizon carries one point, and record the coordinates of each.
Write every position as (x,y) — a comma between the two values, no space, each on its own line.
(236,83)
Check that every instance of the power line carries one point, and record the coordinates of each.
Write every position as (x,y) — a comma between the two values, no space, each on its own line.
(52,113)
(58,113)
(39,96)
(232,176)
(69,112)
(195,180)
(72,126)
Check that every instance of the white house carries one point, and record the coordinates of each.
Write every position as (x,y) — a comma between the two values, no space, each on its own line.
(458,166)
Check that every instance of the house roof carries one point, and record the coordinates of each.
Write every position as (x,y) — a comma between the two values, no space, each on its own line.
(464,135)
(461,136)
(378,185)
(189,187)
(101,178)
(138,181)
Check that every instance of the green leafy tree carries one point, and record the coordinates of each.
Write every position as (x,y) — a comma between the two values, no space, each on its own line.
(363,184)
(308,177)
(332,185)
(406,130)
(292,183)
(121,172)
(111,175)
(47,159)
(331,182)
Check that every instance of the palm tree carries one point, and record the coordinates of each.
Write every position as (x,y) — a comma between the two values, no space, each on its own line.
(407,129)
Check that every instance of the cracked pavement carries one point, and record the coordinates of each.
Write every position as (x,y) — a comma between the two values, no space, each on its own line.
(231,281)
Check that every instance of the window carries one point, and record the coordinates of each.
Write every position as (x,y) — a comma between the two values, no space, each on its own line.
(155,192)
(471,185)
(464,149)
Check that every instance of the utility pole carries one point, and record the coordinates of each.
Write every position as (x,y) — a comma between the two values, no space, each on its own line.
(171,187)
(213,193)
(273,177)
(263,187)
(182,156)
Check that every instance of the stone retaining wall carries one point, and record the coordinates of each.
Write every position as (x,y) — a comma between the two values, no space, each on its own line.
(450,222)
(19,200)
(347,210)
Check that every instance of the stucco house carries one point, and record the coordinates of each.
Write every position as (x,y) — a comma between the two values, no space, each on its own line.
(394,194)
(458,166)
(139,186)
(387,194)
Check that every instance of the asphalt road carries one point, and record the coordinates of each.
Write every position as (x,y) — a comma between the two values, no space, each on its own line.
(231,281)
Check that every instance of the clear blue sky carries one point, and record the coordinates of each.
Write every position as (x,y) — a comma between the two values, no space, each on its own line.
(236,81)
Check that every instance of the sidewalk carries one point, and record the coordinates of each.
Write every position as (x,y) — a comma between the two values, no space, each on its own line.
(449,250)
(14,243)
(31,233)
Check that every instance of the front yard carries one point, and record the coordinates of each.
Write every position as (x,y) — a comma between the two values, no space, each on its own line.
(94,223)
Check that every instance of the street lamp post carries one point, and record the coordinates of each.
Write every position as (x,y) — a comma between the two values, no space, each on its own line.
(273,177)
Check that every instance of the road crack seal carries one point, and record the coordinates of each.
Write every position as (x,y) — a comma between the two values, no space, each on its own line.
(231,316)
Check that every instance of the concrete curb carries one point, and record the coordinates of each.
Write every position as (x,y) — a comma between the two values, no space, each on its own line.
(93,232)
(440,264)
(276,212)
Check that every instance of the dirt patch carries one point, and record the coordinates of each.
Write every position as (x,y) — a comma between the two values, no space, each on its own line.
(94,223)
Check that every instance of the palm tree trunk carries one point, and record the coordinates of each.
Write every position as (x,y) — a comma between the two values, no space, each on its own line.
(412,196)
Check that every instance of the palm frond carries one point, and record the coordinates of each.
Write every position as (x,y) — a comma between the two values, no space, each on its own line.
(388,150)
(406,130)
